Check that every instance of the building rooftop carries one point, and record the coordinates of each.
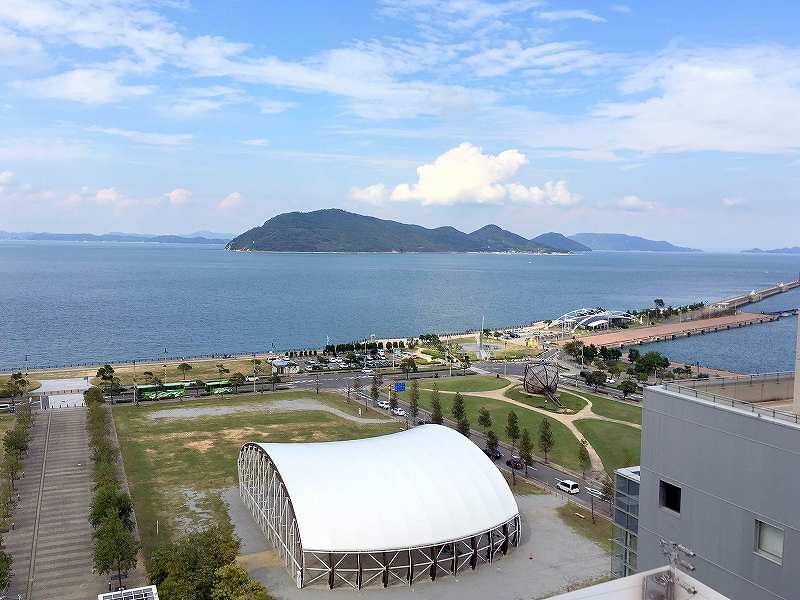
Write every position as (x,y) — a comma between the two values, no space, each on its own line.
(645,586)
(629,472)
(768,395)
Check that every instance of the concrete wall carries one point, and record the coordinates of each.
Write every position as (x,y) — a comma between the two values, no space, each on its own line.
(732,467)
(759,390)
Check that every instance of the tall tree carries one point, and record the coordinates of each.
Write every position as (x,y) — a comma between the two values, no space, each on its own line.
(184,368)
(512,428)
(357,385)
(222,369)
(110,498)
(413,400)
(463,426)
(375,388)
(627,387)
(105,374)
(546,439)
(526,449)
(115,547)
(274,379)
(12,467)
(6,560)
(584,458)
(457,410)
(392,398)
(436,406)
(408,365)
(485,418)
(492,442)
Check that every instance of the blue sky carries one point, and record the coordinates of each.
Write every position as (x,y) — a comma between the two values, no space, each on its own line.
(674,120)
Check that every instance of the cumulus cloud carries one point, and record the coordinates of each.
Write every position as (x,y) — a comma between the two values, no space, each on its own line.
(6,178)
(178,197)
(734,203)
(230,201)
(372,194)
(635,204)
(467,175)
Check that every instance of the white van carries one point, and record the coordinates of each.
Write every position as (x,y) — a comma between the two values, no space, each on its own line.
(568,486)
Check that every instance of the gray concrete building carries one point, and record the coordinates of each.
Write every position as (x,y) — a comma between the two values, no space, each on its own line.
(625,515)
(720,475)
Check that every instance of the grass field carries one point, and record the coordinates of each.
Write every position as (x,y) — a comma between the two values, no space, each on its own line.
(470,383)
(177,467)
(571,401)
(618,445)
(32,383)
(565,451)
(614,409)
(599,531)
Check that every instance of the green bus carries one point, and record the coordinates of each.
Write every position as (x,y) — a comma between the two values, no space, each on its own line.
(220,386)
(160,392)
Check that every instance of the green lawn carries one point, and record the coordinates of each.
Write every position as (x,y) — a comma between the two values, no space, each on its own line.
(599,532)
(614,409)
(618,445)
(571,401)
(565,451)
(177,467)
(470,383)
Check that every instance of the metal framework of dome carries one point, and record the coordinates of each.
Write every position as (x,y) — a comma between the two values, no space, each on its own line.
(542,378)
(419,504)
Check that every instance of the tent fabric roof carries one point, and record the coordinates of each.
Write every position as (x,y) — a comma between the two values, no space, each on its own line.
(424,486)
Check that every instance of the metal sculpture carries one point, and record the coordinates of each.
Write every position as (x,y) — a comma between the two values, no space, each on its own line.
(542,378)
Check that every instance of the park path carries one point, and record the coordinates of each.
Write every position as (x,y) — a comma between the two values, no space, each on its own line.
(52,544)
(566,419)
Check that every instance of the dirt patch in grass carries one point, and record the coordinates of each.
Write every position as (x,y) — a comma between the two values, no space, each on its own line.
(199,445)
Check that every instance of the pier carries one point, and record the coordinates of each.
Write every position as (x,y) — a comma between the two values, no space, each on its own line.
(755,296)
(671,331)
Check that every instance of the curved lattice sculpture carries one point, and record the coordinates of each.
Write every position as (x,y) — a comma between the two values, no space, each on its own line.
(542,378)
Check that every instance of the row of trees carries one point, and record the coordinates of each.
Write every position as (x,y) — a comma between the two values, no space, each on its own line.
(111,512)
(16,442)
(201,566)
(336,349)
(16,385)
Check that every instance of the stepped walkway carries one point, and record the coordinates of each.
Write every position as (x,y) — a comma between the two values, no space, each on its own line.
(52,539)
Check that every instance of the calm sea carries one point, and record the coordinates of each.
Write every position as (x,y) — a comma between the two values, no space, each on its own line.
(65,302)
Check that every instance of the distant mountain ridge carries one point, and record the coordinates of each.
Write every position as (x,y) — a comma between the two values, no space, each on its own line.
(560,242)
(336,230)
(790,250)
(110,237)
(621,242)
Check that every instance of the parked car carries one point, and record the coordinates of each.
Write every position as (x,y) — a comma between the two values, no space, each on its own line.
(515,462)
(494,455)
(366,371)
(398,412)
(597,494)
(568,486)
(423,422)
(383,404)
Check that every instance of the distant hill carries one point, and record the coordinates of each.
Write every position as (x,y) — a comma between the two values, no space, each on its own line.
(622,242)
(108,237)
(560,242)
(495,239)
(791,250)
(336,230)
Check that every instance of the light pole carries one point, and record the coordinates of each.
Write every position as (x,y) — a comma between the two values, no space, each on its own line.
(135,403)
(165,365)
(254,372)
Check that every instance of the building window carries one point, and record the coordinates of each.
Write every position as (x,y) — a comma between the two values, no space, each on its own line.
(769,541)
(670,497)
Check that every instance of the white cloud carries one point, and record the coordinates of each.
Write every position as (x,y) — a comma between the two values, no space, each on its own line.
(541,59)
(465,175)
(232,200)
(85,85)
(273,107)
(6,178)
(566,15)
(635,204)
(734,203)
(17,50)
(113,198)
(144,137)
(41,149)
(178,197)
(372,194)
(256,142)
(199,101)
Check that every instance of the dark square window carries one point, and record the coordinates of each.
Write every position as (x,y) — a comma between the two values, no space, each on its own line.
(669,496)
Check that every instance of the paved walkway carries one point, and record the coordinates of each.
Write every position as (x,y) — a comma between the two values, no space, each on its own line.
(52,544)
(567,419)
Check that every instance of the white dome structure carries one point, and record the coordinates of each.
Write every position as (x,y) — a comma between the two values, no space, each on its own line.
(421,503)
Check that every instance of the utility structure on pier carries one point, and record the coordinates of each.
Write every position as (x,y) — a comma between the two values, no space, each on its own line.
(420,504)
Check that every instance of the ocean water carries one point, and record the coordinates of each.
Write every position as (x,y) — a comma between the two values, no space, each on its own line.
(65,303)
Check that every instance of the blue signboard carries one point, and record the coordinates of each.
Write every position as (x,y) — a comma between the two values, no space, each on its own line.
(400,386)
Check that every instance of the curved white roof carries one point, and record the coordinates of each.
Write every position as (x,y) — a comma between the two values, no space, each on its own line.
(424,486)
